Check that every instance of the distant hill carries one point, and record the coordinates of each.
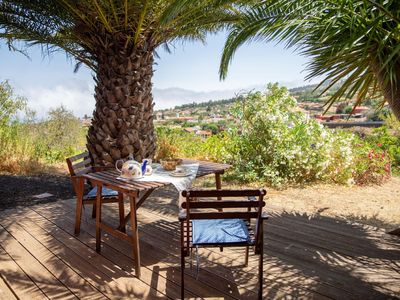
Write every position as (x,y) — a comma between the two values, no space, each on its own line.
(302,93)
(210,103)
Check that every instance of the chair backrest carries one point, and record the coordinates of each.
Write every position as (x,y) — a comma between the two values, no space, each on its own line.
(79,164)
(201,209)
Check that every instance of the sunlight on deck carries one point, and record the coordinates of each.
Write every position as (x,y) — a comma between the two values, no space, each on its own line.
(305,257)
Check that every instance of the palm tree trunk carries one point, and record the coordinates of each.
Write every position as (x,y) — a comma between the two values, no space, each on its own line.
(390,93)
(393,98)
(123,118)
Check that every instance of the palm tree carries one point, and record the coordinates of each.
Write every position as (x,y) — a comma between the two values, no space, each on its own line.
(352,42)
(117,40)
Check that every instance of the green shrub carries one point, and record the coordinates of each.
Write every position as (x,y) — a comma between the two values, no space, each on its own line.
(274,143)
(27,146)
(279,144)
(60,135)
(189,145)
(387,138)
(372,165)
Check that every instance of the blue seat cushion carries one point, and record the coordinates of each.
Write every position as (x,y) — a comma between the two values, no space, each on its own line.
(105,192)
(219,231)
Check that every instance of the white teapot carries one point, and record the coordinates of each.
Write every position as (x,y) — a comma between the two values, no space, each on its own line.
(130,169)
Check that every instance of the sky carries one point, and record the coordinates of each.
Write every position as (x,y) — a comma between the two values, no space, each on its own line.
(189,73)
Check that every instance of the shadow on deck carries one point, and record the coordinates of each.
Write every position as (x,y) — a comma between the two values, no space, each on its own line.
(305,257)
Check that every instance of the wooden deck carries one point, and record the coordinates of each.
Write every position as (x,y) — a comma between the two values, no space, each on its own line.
(305,257)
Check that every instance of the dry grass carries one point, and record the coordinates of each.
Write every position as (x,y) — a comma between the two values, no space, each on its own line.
(28,166)
(376,205)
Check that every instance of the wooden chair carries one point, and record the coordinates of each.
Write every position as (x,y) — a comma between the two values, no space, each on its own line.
(82,164)
(202,226)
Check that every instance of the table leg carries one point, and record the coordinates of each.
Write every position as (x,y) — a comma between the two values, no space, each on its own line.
(135,235)
(218,182)
(218,186)
(138,204)
(98,218)
(121,212)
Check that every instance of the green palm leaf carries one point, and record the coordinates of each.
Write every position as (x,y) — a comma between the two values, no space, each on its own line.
(354,42)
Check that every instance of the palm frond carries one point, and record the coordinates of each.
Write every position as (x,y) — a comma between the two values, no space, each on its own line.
(354,42)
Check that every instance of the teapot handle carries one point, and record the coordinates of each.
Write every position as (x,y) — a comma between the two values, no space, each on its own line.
(116,164)
(145,161)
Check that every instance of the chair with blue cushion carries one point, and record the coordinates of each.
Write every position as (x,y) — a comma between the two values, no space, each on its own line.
(205,223)
(82,164)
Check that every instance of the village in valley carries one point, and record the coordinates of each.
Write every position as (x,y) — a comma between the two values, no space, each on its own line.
(209,118)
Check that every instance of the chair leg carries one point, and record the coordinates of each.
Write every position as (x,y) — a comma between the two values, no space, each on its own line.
(260,267)
(246,257)
(182,275)
(135,236)
(98,219)
(78,215)
(94,210)
(218,186)
(182,263)
(197,263)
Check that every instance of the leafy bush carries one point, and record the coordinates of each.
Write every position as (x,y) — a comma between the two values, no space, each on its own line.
(279,144)
(275,143)
(25,147)
(188,145)
(387,138)
(60,135)
(371,165)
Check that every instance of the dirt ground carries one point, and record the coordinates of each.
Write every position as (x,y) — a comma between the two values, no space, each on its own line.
(373,205)
(19,190)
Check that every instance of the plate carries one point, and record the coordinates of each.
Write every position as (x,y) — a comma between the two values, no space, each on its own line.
(129,179)
(180,174)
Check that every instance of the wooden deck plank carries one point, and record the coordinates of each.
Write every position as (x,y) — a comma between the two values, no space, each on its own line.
(63,272)
(163,255)
(337,227)
(358,264)
(23,287)
(348,288)
(124,249)
(106,276)
(118,259)
(305,258)
(6,293)
(46,281)
(320,237)
(326,226)
(377,264)
(212,258)
(164,242)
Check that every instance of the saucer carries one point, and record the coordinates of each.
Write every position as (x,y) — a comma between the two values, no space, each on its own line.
(180,174)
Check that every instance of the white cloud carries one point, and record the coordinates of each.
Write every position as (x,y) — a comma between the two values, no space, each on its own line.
(170,97)
(77,96)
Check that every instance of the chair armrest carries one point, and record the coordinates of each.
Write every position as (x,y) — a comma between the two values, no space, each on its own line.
(77,177)
(102,168)
(182,215)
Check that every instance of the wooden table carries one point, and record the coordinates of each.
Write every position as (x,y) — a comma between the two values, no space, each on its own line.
(137,192)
